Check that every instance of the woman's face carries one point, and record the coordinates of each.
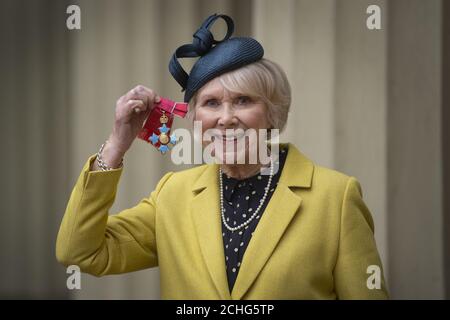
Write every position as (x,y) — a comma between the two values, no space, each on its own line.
(218,108)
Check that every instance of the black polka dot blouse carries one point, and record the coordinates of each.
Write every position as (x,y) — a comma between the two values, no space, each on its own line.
(240,199)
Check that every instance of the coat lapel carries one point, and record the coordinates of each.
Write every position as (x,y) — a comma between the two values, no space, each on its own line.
(282,207)
(205,210)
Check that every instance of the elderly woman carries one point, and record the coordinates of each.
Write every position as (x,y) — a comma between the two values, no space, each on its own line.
(226,231)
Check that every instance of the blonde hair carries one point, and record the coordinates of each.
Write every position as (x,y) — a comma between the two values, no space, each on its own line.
(263,79)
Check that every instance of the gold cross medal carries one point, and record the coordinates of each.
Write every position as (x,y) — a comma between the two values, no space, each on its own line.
(156,129)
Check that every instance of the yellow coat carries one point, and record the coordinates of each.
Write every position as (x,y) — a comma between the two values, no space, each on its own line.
(314,241)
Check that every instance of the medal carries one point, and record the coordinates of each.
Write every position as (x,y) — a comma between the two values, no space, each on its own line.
(156,129)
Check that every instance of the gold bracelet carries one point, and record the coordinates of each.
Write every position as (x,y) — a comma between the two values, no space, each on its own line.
(102,164)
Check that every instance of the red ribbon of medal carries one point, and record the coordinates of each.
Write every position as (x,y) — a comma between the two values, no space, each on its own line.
(156,129)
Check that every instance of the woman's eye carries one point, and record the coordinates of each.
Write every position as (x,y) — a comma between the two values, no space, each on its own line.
(211,103)
(243,100)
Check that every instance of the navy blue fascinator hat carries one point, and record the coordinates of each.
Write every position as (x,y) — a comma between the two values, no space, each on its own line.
(216,56)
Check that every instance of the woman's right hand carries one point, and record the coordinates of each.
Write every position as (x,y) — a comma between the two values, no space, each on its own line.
(132,109)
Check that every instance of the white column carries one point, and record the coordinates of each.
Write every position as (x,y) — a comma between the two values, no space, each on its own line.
(414,127)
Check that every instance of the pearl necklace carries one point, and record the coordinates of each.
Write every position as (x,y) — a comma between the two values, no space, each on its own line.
(261,202)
